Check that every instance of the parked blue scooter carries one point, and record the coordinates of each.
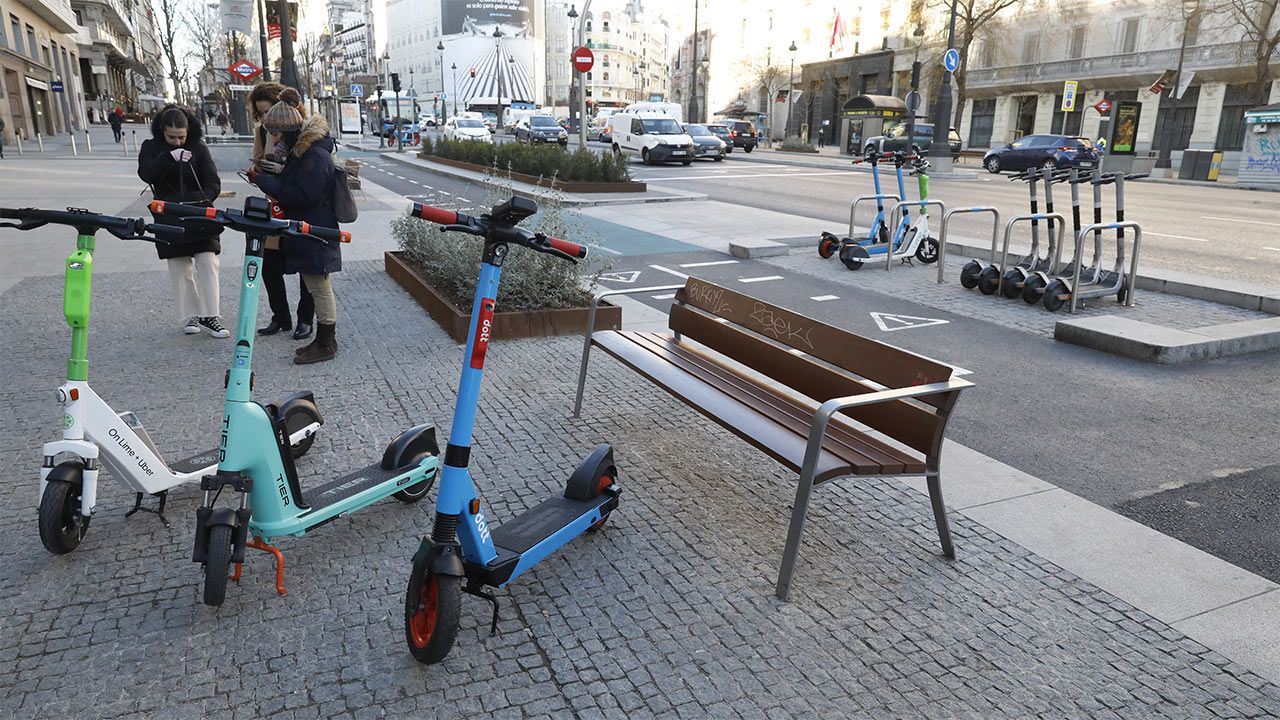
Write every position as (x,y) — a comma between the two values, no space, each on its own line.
(464,542)
(829,244)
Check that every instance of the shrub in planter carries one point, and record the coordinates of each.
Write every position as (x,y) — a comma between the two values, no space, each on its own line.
(450,262)
(547,161)
(795,144)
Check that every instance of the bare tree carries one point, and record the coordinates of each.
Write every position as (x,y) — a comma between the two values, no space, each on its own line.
(765,77)
(971,17)
(1259,23)
(170,17)
(212,49)
(309,55)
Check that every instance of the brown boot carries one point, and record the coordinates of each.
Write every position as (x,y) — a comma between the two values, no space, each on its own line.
(324,347)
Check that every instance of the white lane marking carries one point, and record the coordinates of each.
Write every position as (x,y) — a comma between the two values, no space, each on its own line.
(1235,220)
(764,278)
(824,298)
(399,177)
(903,322)
(668,296)
(677,273)
(415,182)
(1177,237)
(1264,247)
(709,264)
(608,250)
(624,276)
(442,192)
(752,175)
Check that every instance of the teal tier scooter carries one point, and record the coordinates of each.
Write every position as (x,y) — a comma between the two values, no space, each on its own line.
(93,433)
(465,542)
(255,460)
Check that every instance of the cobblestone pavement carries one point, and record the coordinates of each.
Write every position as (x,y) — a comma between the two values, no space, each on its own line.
(667,612)
(1172,311)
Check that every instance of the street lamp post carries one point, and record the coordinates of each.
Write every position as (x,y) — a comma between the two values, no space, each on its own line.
(940,149)
(288,70)
(1165,159)
(454,67)
(791,90)
(693,89)
(581,77)
(440,111)
(497,68)
(913,99)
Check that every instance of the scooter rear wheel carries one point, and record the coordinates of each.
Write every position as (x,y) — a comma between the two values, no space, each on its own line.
(605,481)
(296,418)
(853,255)
(432,607)
(60,530)
(969,274)
(989,280)
(217,565)
(827,246)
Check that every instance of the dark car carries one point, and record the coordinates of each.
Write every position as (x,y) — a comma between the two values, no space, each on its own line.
(705,143)
(541,129)
(722,131)
(896,139)
(741,134)
(1050,151)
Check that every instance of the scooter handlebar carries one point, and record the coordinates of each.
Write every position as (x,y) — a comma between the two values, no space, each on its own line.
(324,233)
(160,207)
(487,227)
(434,214)
(85,221)
(571,249)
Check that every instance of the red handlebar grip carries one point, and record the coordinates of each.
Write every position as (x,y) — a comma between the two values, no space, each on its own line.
(434,214)
(569,248)
(324,233)
(161,207)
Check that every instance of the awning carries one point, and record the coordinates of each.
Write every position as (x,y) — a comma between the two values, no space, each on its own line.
(875,106)
(1259,116)
(37,84)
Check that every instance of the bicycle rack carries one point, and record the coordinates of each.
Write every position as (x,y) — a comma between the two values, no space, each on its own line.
(942,232)
(1131,277)
(853,208)
(1008,230)
(893,223)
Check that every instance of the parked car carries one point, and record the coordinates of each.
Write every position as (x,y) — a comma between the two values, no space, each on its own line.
(428,120)
(721,131)
(896,139)
(706,144)
(652,137)
(1050,151)
(540,129)
(742,134)
(598,129)
(490,121)
(460,128)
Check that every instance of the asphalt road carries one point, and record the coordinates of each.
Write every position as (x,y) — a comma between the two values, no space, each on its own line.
(1118,432)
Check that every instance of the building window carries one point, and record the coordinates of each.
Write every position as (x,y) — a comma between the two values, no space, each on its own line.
(32,48)
(1030,47)
(1231,126)
(884,19)
(1077,42)
(1129,36)
(1182,114)
(981,121)
(987,57)
(606,77)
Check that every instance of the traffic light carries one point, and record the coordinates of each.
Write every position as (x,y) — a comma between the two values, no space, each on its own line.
(395,82)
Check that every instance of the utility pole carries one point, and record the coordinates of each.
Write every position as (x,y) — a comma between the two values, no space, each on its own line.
(693,92)
(940,151)
(497,68)
(262,41)
(288,70)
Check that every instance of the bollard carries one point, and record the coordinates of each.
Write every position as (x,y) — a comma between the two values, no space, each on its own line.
(124,145)
(88,144)
(19,139)
(40,140)
(74,151)
(134,133)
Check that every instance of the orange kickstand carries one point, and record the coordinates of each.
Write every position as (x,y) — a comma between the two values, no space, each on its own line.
(258,544)
(236,576)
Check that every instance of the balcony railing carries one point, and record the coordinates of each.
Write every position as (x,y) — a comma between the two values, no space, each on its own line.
(1220,55)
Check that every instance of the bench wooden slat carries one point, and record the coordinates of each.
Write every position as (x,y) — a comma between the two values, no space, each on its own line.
(873,360)
(909,424)
(863,453)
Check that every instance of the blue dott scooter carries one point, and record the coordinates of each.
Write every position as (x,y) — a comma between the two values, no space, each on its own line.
(464,542)
(909,238)
(829,244)
(254,449)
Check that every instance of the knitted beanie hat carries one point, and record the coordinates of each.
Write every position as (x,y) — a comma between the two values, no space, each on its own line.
(284,116)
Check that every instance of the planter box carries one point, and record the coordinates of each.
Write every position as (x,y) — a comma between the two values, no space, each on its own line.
(629,186)
(797,150)
(506,325)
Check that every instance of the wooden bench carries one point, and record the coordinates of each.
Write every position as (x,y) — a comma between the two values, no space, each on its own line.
(803,392)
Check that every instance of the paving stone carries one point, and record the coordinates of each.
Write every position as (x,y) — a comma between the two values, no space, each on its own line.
(668,612)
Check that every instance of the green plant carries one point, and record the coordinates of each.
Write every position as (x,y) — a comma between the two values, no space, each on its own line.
(795,143)
(546,161)
(530,280)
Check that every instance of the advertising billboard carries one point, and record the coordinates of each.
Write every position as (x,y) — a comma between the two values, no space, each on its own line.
(489,64)
(1125,128)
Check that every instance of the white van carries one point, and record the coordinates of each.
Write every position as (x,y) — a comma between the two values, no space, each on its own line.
(652,137)
(669,109)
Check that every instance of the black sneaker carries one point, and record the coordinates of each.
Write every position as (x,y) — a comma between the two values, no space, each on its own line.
(214,327)
(192,325)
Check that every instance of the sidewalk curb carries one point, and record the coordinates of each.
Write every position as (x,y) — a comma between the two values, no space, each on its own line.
(538,193)
(1169,346)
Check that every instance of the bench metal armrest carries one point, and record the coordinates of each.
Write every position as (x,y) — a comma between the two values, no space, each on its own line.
(591,326)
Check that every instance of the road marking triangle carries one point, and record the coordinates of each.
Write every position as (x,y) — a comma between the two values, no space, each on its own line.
(889,322)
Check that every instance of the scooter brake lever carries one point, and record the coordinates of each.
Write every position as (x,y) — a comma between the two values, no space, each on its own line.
(26,224)
(459,227)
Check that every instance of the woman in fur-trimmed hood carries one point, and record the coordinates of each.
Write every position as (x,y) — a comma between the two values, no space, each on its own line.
(304,191)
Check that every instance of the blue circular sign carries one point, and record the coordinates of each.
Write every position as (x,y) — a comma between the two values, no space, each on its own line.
(951,59)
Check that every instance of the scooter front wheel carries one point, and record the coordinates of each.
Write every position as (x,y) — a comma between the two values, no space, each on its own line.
(1033,289)
(60,529)
(217,565)
(989,280)
(432,607)
(827,246)
(969,274)
(1056,295)
(927,253)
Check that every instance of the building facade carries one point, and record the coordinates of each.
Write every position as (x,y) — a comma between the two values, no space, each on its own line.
(1116,51)
(40,87)
(112,60)
(629,40)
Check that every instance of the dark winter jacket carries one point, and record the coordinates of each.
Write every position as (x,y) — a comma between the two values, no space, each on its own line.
(195,182)
(115,119)
(304,190)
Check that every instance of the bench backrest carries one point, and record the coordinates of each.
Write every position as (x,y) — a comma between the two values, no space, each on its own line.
(802,353)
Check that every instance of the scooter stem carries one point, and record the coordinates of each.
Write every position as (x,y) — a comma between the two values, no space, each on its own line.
(75,305)
(482,309)
(240,375)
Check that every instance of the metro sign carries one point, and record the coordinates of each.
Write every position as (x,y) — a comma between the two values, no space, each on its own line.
(1103,106)
(244,70)
(582,58)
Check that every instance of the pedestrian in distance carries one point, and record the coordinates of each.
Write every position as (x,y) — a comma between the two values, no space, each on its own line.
(1,138)
(263,97)
(116,120)
(177,165)
(304,190)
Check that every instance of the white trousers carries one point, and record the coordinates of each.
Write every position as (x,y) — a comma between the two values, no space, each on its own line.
(197,295)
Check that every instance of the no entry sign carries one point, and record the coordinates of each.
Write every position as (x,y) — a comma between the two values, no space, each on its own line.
(583,59)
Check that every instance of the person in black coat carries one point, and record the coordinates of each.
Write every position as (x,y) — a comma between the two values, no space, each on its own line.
(177,165)
(116,121)
(304,191)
